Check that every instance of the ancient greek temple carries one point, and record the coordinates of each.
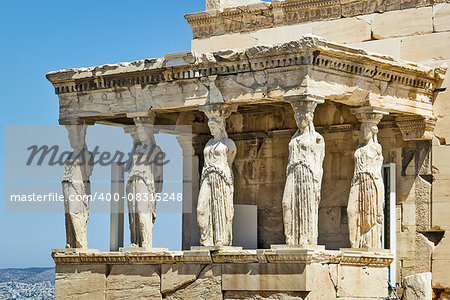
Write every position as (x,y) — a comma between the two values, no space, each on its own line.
(314,134)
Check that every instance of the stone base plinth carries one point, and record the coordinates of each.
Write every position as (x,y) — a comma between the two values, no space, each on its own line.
(222,274)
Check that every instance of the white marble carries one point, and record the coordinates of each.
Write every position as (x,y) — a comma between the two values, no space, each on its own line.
(215,201)
(366,199)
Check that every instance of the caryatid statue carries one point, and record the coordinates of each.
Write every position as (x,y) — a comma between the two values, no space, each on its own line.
(304,172)
(76,187)
(215,201)
(144,182)
(366,199)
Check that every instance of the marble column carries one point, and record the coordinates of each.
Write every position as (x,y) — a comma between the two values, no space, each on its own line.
(191,179)
(76,187)
(144,182)
(215,201)
(366,199)
(304,173)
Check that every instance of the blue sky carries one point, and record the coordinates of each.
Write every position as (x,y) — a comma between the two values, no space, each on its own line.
(41,36)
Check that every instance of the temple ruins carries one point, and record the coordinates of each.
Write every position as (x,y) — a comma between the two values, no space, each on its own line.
(329,117)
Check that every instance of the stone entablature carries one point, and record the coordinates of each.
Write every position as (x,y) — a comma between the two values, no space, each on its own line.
(280,13)
(309,66)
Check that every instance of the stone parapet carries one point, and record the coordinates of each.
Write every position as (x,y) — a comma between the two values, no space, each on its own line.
(223,274)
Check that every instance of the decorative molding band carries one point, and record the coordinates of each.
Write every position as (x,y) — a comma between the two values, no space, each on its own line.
(288,12)
(415,128)
(355,258)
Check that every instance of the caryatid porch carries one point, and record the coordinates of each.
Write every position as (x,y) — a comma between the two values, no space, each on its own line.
(347,85)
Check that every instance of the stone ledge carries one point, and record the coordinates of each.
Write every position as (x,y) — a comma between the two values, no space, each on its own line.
(355,257)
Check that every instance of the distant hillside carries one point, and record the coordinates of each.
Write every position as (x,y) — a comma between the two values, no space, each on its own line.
(27,275)
(28,283)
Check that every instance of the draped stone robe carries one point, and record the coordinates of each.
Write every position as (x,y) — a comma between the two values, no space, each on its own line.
(215,204)
(367,197)
(302,190)
(144,181)
(76,189)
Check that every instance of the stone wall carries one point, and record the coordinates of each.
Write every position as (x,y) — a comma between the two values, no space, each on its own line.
(396,33)
(224,274)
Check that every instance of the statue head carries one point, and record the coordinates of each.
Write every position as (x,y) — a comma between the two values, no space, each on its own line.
(217,127)
(303,119)
(217,114)
(144,134)
(304,113)
(143,131)
(369,131)
(369,120)
(77,134)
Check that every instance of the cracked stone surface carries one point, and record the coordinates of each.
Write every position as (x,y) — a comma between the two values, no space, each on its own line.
(206,287)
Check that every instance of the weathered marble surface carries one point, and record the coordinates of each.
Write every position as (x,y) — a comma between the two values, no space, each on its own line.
(215,201)
(80,281)
(76,187)
(417,287)
(133,282)
(301,196)
(366,199)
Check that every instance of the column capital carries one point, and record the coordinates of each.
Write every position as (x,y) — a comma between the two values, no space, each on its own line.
(305,98)
(142,117)
(369,114)
(77,135)
(218,110)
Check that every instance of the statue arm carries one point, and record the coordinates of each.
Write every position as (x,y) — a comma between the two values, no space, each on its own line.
(321,159)
(231,151)
(378,163)
(318,167)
